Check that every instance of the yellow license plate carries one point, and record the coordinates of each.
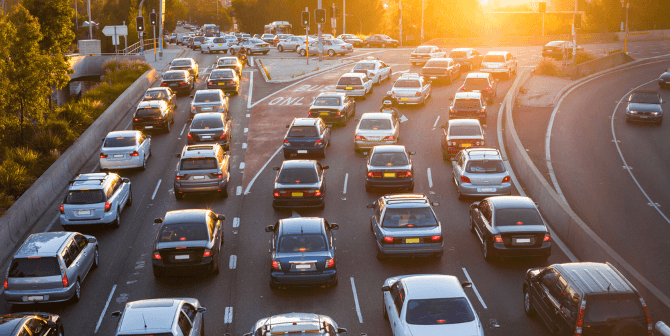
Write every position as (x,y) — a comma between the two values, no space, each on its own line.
(297,194)
(404,99)
(466,145)
(348,88)
(324,113)
(389,174)
(412,240)
(264,46)
(220,45)
(222,84)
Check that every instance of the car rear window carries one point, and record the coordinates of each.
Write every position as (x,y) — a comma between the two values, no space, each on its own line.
(516,217)
(409,217)
(148,112)
(222,74)
(174,75)
(437,64)
(85,197)
(302,243)
(472,131)
(439,311)
(389,159)
(494,58)
(152,334)
(477,81)
(198,163)
(227,62)
(327,101)
(206,123)
(485,166)
(218,40)
(207,97)
(423,50)
(297,175)
(34,267)
(644,98)
(199,39)
(183,232)
(349,81)
(364,66)
(181,63)
(458,54)
(303,131)
(335,41)
(407,83)
(467,103)
(375,124)
(155,94)
(602,308)
(119,141)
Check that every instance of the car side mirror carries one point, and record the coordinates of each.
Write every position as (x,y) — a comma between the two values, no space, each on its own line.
(227,94)
(148,136)
(103,139)
(325,167)
(51,324)
(341,331)
(191,96)
(126,180)
(386,288)
(202,310)
(334,226)
(466,284)
(270,228)
(220,217)
(116,314)
(370,206)
(435,204)
(92,240)
(275,168)
(177,155)
(158,220)
(412,153)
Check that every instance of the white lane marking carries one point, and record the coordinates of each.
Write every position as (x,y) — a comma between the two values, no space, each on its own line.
(244,145)
(241,165)
(251,183)
(403,118)
(228,315)
(236,222)
(251,90)
(53,221)
(246,130)
(96,167)
(346,178)
(156,190)
(182,130)
(233,262)
(358,308)
(104,310)
(474,288)
(248,115)
(436,120)
(238,191)
(430,179)
(129,123)
(251,60)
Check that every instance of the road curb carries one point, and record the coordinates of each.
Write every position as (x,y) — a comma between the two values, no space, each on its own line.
(265,77)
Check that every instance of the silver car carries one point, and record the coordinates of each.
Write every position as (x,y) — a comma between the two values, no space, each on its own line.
(49,267)
(125,149)
(411,88)
(296,323)
(331,47)
(354,85)
(292,43)
(251,46)
(376,128)
(202,168)
(173,317)
(213,100)
(481,172)
(96,198)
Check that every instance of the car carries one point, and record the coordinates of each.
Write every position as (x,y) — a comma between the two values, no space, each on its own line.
(307,136)
(468,105)
(664,80)
(481,172)
(354,85)
(280,38)
(197,42)
(50,267)
(178,80)
(168,317)
(460,134)
(154,114)
(202,169)
(327,36)
(292,43)
(257,36)
(483,83)
(172,38)
(188,64)
(559,49)
(585,298)
(268,38)
(216,44)
(441,69)
(188,241)
(161,93)
(351,39)
(230,39)
(510,226)
(499,62)
(244,37)
(25,324)
(389,166)
(211,100)
(292,323)
(124,149)
(230,63)
(429,304)
(376,70)
(411,88)
(333,108)
(208,127)
(251,46)
(379,40)
(225,80)
(299,184)
(645,105)
(423,53)
(376,128)
(405,225)
(331,47)
(95,198)
(468,58)
(189,42)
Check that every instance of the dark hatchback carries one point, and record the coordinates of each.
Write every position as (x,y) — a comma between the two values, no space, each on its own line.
(482,82)
(165,94)
(210,128)
(154,114)
(664,80)
(188,240)
(225,80)
(510,226)
(37,324)
(333,108)
(178,80)
(645,106)
(389,166)
(302,252)
(299,184)
(306,136)
(230,63)
(441,69)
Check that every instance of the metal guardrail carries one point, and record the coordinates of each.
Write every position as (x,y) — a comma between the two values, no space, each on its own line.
(135,48)
(661,329)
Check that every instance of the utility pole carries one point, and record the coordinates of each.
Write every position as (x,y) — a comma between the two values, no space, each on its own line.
(154,27)
(422,8)
(400,22)
(574,36)
(320,43)
(625,43)
(141,33)
(90,22)
(344,17)
(161,12)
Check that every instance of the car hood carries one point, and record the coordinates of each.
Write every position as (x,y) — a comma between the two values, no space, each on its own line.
(644,107)
(665,76)
(521,228)
(461,329)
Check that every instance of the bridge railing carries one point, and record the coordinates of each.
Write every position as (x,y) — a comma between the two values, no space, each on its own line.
(135,48)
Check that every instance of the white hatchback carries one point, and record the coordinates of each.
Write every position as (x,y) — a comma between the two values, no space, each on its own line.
(214,44)
(125,149)
(354,85)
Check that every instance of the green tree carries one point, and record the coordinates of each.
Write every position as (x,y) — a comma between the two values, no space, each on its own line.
(55,20)
(7,38)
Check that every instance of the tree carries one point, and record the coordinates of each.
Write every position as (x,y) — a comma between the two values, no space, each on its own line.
(55,20)
(7,37)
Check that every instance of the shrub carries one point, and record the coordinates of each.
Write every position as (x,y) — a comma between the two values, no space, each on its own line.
(548,67)
(61,128)
(583,56)
(79,114)
(14,178)
(25,157)
(46,142)
(6,202)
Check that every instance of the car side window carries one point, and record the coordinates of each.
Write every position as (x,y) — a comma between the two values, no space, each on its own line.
(190,311)
(184,324)
(571,302)
(485,209)
(81,241)
(395,296)
(23,332)
(378,211)
(210,226)
(36,326)
(461,161)
(66,257)
(548,278)
(558,290)
(400,299)
(74,250)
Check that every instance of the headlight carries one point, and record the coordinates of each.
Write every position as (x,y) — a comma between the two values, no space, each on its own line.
(656,113)
(632,112)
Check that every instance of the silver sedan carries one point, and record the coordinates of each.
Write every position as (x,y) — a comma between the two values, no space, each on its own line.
(481,172)
(125,149)
(376,128)
(252,46)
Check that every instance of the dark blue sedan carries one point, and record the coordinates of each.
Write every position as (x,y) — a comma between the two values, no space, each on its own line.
(306,136)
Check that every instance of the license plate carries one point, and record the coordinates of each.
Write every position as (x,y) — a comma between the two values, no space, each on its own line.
(182,257)
(264,46)
(118,155)
(523,240)
(148,127)
(433,77)
(644,117)
(222,84)
(84,212)
(206,137)
(220,45)
(206,108)
(389,174)
(348,88)
(35,298)
(303,266)
(173,84)
(412,240)
(198,177)
(486,189)
(302,151)
(324,113)
(465,145)
(404,99)
(297,194)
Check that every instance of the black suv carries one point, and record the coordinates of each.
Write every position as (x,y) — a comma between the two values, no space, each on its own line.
(585,299)
(153,114)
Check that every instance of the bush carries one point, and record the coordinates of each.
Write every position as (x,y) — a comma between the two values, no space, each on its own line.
(61,129)
(14,179)
(79,114)
(25,157)
(6,202)
(548,67)
(46,142)
(583,56)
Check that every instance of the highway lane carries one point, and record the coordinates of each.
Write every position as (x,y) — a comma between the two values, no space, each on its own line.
(598,186)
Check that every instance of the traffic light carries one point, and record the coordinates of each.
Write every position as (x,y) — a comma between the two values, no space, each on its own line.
(320,15)
(139,22)
(336,12)
(542,7)
(153,19)
(305,19)
(578,20)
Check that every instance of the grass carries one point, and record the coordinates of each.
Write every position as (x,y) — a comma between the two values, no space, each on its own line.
(548,67)
(583,56)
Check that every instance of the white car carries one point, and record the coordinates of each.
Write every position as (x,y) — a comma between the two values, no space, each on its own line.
(354,85)
(376,128)
(411,88)
(125,149)
(214,44)
(423,53)
(251,46)
(230,39)
(429,304)
(376,70)
(330,47)
(501,62)
(292,43)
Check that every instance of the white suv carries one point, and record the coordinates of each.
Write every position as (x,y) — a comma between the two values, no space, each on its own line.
(499,62)
(214,44)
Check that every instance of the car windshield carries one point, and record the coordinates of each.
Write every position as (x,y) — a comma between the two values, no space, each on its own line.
(228,62)
(349,81)
(302,243)
(477,81)
(148,112)
(183,232)
(485,166)
(375,124)
(222,74)
(334,41)
(458,54)
(467,103)
(516,217)
(439,311)
(155,94)
(85,197)
(407,83)
(494,58)
(437,64)
(218,40)
(206,122)
(34,267)
(119,141)
(207,97)
(327,101)
(409,217)
(602,308)
(389,159)
(174,75)
(303,132)
(198,163)
(644,98)
(423,50)
(181,63)
(297,175)
(472,131)
(364,66)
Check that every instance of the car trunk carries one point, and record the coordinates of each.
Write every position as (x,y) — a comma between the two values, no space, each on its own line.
(522,236)
(306,142)
(206,107)
(420,55)
(389,173)
(206,134)
(84,205)
(202,177)
(433,70)
(487,179)
(298,190)
(118,153)
(303,263)
(221,81)
(325,112)
(174,83)
(605,312)
(180,253)
(406,92)
(374,135)
(34,273)
(413,235)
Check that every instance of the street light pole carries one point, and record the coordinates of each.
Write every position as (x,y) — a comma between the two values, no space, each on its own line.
(625,43)
(139,13)
(344,17)
(90,22)
(422,8)
(400,22)
(320,43)
(574,36)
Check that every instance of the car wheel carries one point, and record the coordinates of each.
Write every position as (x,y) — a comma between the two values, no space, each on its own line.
(368,45)
(371,89)
(202,51)
(472,224)
(324,152)
(273,285)
(157,273)
(224,192)
(178,196)
(487,253)
(167,127)
(527,305)
(117,221)
(334,284)
(280,48)
(129,201)
(368,188)
(96,258)
(77,292)
(215,266)
(61,332)
(331,53)
(303,52)
(232,51)
(144,163)
(225,51)
(660,122)
(449,80)
(383,45)
(384,312)
(445,157)
(414,63)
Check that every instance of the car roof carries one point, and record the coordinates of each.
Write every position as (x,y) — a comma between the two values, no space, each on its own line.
(483,153)
(389,148)
(512,202)
(9,322)
(429,46)
(176,71)
(555,43)
(432,286)
(203,91)
(298,225)
(298,164)
(92,181)
(304,121)
(463,122)
(478,75)
(497,53)
(159,88)
(193,151)
(151,103)
(185,216)
(208,115)
(353,74)
(124,133)
(43,243)
(158,314)
(223,70)
(376,115)
(406,201)
(225,58)
(331,94)
(462,49)
(468,95)
(595,278)
(183,59)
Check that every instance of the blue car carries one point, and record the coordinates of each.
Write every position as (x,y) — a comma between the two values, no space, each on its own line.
(306,136)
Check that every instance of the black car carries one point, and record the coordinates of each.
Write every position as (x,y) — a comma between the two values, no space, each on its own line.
(645,106)
(389,166)
(153,114)
(333,107)
(379,40)
(302,252)
(510,226)
(306,136)
(468,58)
(588,299)
(161,93)
(230,63)
(664,80)
(188,240)
(299,184)
(178,80)
(225,80)
(482,82)
(37,324)
(441,69)
(210,127)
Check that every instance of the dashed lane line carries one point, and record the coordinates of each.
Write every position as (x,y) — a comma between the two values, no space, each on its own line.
(430,178)
(156,190)
(346,178)
(474,288)
(104,310)
(228,315)
(233,262)
(358,307)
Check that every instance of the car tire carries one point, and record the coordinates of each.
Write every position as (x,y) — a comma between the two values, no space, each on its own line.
(486,252)
(302,52)
(280,48)
(144,164)
(129,201)
(371,89)
(379,79)
(232,51)
(117,221)
(660,122)
(157,273)
(167,127)
(325,151)
(96,258)
(368,188)
(334,284)
(273,285)
(178,196)
(215,267)
(61,332)
(383,45)
(331,53)
(224,192)
(527,304)
(414,63)
(77,292)
(445,157)
(265,53)
(384,312)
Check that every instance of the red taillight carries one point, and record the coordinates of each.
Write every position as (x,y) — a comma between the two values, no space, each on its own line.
(309,112)
(318,142)
(207,253)
(5,283)
(374,174)
(489,88)
(134,153)
(359,137)
(404,174)
(108,206)
(451,109)
(190,136)
(417,94)
(157,255)
(462,88)
(160,118)
(317,192)
(465,179)
(580,318)
(338,113)
(223,135)
(390,137)
(65,282)
(436,238)
(276,194)
(497,239)
(163,84)
(388,239)
(330,263)
(182,83)
(506,179)
(103,155)
(61,209)
(178,178)
(286,141)
(136,119)
(546,238)
(650,327)
(276,265)
(219,176)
